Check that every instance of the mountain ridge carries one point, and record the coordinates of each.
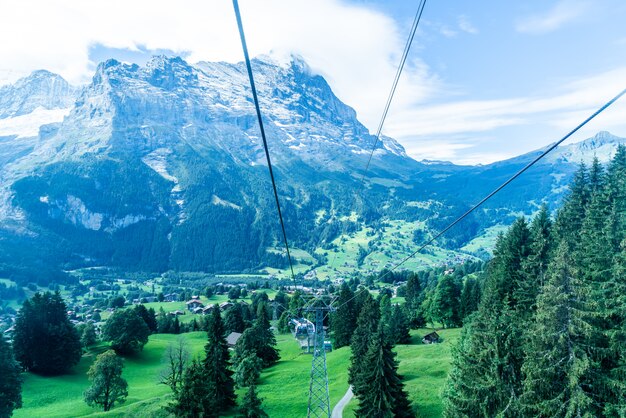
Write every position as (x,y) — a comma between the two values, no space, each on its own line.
(161,167)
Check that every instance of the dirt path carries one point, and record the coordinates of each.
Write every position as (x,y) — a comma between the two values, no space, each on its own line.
(338,409)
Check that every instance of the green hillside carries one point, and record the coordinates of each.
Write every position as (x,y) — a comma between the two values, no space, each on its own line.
(284,386)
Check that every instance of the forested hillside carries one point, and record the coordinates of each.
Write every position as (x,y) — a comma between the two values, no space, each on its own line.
(548,339)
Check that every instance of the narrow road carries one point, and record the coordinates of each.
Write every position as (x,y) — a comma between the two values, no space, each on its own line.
(338,409)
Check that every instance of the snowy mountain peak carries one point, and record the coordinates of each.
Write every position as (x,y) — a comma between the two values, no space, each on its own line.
(40,90)
(602,145)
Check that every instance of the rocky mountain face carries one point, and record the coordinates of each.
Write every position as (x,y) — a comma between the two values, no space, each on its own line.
(161,167)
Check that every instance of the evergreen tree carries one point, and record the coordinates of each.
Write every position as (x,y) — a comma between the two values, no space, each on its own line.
(343,321)
(616,195)
(164,322)
(414,298)
(192,399)
(216,365)
(615,293)
(505,273)
(176,326)
(233,319)
(399,326)
(11,381)
(367,324)
(248,370)
(470,297)
(126,331)
(107,384)
(386,311)
(382,391)
(483,380)
(555,359)
(570,217)
(252,405)
(535,265)
(259,341)
(148,316)
(45,341)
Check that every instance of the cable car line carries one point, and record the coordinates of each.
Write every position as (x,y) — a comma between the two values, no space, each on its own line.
(499,188)
(261,127)
(394,86)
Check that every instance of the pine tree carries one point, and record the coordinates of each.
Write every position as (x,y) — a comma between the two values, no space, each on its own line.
(382,391)
(535,266)
(45,341)
(616,312)
(266,340)
(343,321)
(367,324)
(148,316)
(248,370)
(616,194)
(414,298)
(192,398)
(484,380)
(216,365)
(555,359)
(252,405)
(233,319)
(399,327)
(470,297)
(11,381)
(570,217)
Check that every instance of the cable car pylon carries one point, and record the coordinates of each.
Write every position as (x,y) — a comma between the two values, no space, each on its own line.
(319,398)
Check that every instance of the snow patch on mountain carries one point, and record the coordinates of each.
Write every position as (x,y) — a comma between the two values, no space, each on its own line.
(157,161)
(25,126)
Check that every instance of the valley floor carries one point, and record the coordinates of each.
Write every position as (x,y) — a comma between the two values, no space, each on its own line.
(284,386)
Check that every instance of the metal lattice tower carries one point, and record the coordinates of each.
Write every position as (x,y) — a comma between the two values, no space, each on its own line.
(319,400)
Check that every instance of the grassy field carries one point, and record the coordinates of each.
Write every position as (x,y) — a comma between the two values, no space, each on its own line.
(424,368)
(284,386)
(392,243)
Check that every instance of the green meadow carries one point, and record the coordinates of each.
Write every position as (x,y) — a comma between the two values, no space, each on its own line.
(284,387)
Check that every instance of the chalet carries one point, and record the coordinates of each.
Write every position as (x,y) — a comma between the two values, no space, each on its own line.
(199,310)
(225,305)
(232,339)
(207,309)
(176,313)
(432,338)
(193,304)
(170,297)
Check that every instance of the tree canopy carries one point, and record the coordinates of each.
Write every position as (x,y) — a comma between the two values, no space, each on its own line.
(45,341)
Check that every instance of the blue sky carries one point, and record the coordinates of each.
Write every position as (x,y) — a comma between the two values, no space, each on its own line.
(520,55)
(485,80)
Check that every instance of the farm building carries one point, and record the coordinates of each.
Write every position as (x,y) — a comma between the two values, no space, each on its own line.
(432,338)
(232,339)
(193,304)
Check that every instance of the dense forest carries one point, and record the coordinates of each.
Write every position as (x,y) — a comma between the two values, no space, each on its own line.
(549,337)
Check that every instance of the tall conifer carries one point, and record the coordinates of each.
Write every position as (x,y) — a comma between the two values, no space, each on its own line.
(367,324)
(216,364)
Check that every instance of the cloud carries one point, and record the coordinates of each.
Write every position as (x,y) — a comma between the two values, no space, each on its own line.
(554,113)
(466,26)
(350,45)
(563,12)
